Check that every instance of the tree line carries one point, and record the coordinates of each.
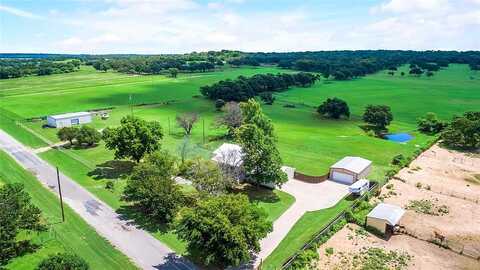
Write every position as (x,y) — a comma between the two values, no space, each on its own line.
(15,68)
(345,65)
(244,88)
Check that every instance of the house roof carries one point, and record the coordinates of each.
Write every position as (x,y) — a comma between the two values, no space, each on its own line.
(353,164)
(69,115)
(388,212)
(229,153)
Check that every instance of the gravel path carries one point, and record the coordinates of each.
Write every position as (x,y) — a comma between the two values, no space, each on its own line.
(142,248)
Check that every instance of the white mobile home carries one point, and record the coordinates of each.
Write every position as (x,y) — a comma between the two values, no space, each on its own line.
(349,169)
(69,119)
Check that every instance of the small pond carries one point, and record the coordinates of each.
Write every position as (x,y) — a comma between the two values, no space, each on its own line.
(399,137)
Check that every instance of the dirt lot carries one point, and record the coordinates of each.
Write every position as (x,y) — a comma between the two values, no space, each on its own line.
(347,249)
(447,172)
(444,179)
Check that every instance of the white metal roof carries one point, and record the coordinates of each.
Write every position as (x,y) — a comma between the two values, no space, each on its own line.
(69,115)
(388,212)
(353,164)
(359,184)
(229,153)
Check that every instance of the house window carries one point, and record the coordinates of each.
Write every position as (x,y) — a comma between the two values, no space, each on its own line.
(74,122)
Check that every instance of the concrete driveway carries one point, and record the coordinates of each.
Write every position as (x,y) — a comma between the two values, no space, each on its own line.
(308,197)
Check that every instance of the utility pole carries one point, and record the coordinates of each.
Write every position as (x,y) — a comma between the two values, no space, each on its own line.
(203,121)
(169,133)
(131,103)
(60,193)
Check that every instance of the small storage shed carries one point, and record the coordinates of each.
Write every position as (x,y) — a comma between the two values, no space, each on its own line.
(359,187)
(69,119)
(350,169)
(384,217)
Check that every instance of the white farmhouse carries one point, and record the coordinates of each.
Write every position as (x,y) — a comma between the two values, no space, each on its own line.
(69,119)
(229,154)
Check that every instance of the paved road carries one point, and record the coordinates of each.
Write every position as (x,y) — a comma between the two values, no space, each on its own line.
(308,197)
(143,249)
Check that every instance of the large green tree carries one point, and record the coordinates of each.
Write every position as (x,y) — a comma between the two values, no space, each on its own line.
(17,214)
(88,135)
(63,261)
(67,134)
(223,230)
(152,189)
(378,115)
(430,124)
(252,114)
(261,160)
(133,138)
(207,177)
(463,132)
(334,108)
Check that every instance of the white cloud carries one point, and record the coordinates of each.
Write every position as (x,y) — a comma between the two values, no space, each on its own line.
(407,6)
(176,26)
(19,12)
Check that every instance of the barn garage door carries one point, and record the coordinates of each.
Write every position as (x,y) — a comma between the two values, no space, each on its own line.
(342,177)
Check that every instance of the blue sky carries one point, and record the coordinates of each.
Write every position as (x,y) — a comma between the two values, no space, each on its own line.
(177,26)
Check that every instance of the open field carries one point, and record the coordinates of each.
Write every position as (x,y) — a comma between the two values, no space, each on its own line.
(305,140)
(347,250)
(72,236)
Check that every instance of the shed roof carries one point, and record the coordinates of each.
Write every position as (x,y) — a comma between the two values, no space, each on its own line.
(353,164)
(69,115)
(229,153)
(388,212)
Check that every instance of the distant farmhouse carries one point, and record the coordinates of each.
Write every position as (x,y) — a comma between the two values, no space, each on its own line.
(69,119)
(350,169)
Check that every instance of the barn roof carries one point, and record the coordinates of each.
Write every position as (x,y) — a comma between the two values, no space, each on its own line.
(69,115)
(230,154)
(388,212)
(353,164)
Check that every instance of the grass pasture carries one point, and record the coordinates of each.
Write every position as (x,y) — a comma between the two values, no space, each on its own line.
(306,141)
(75,235)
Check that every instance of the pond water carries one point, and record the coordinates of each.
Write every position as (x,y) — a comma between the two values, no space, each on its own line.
(399,137)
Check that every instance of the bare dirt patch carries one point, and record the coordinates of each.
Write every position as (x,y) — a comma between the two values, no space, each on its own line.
(354,248)
(447,172)
(452,222)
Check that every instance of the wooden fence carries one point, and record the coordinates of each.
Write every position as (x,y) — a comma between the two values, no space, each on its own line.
(310,179)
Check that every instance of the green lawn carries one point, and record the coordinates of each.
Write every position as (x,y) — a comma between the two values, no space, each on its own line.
(74,235)
(305,140)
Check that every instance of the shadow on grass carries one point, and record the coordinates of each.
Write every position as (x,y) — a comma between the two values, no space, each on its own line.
(112,169)
(135,217)
(379,132)
(257,194)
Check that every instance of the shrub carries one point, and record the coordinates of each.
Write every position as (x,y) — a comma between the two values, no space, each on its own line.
(219,103)
(63,261)
(267,97)
(88,135)
(110,185)
(329,251)
(398,160)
